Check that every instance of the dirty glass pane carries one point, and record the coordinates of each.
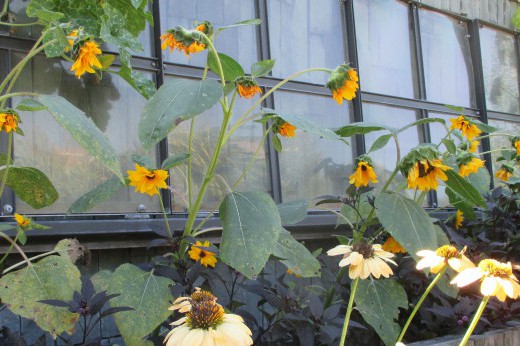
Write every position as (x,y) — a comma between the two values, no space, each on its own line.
(115,108)
(500,65)
(448,68)
(304,34)
(239,43)
(383,42)
(312,166)
(498,142)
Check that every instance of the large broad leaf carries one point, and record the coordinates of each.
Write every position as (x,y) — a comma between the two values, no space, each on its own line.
(148,294)
(178,100)
(251,225)
(292,212)
(296,256)
(480,181)
(380,142)
(230,67)
(379,301)
(464,189)
(305,125)
(99,194)
(83,130)
(262,68)
(407,222)
(54,277)
(460,204)
(32,186)
(359,128)
(138,81)
(421,122)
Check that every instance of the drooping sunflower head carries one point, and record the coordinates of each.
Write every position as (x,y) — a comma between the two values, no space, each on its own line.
(422,168)
(364,173)
(287,130)
(147,181)
(205,27)
(471,146)
(87,58)
(515,142)
(459,219)
(505,172)
(393,246)
(468,163)
(9,120)
(247,87)
(205,257)
(468,127)
(186,41)
(343,82)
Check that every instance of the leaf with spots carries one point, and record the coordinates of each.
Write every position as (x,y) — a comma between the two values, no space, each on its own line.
(54,277)
(32,186)
(295,256)
(147,294)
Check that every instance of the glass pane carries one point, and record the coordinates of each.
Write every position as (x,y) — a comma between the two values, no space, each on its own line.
(500,65)
(17,8)
(234,158)
(498,142)
(384,160)
(312,166)
(303,34)
(239,43)
(383,39)
(447,60)
(115,108)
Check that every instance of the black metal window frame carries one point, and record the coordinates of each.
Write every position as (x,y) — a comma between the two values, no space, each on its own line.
(133,229)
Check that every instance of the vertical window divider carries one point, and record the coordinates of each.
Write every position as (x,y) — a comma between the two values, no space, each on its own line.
(478,72)
(7,200)
(264,53)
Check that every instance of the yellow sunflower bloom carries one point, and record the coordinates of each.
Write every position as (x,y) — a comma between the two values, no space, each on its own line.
(287,130)
(473,146)
(423,175)
(364,260)
(8,122)
(470,167)
(504,173)
(459,218)
(516,143)
(71,37)
(146,181)
(22,221)
(183,41)
(391,245)
(363,175)
(247,91)
(497,279)
(443,256)
(343,83)
(206,258)
(87,59)
(468,129)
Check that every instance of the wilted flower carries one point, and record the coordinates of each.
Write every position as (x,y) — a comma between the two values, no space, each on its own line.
(185,40)
(459,218)
(247,87)
(424,174)
(364,173)
(287,130)
(343,82)
(466,126)
(71,37)
(206,258)
(9,120)
(146,181)
(505,172)
(391,245)
(443,256)
(87,58)
(469,164)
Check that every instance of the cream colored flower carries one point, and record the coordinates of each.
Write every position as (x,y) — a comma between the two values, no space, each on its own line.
(445,255)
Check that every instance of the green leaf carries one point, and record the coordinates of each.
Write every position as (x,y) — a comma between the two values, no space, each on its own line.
(32,186)
(175,160)
(148,294)
(380,143)
(516,18)
(30,105)
(295,256)
(407,222)
(54,277)
(101,280)
(254,21)
(460,204)
(292,212)
(305,125)
(464,189)
(102,192)
(262,68)
(144,161)
(40,10)
(379,301)
(455,108)
(484,127)
(106,60)
(277,144)
(421,122)
(480,181)
(83,130)
(5,227)
(230,67)
(114,28)
(359,128)
(450,145)
(175,101)
(55,49)
(135,17)
(22,237)
(251,225)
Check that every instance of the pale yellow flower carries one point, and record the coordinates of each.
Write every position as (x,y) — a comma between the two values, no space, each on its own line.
(443,256)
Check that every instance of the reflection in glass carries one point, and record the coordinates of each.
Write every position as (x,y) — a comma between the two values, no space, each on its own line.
(304,34)
(384,160)
(239,43)
(498,142)
(115,108)
(312,166)
(383,41)
(234,158)
(447,60)
(500,65)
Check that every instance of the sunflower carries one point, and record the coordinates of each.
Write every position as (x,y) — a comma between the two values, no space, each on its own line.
(146,181)
(468,129)
(87,59)
(71,37)
(364,173)
(470,166)
(206,257)
(473,146)
(22,221)
(391,245)
(343,82)
(445,255)
(423,175)
(364,259)
(206,323)
(459,218)
(247,87)
(504,173)
(8,121)
(287,130)
(515,141)
(184,40)
(497,279)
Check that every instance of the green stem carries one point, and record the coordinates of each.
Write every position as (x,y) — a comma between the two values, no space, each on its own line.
(475,320)
(7,163)
(14,266)
(349,311)
(5,8)
(190,161)
(419,303)
(493,151)
(9,250)
(18,24)
(165,217)
(19,249)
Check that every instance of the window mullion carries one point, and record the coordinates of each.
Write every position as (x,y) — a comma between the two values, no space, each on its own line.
(7,200)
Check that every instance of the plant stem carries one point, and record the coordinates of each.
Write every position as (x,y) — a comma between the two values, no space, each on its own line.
(18,24)
(475,320)
(8,162)
(9,250)
(30,259)
(419,303)
(19,249)
(349,311)
(3,98)
(190,169)
(165,217)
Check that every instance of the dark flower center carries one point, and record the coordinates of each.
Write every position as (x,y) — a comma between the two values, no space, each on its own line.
(425,169)
(364,249)
(205,315)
